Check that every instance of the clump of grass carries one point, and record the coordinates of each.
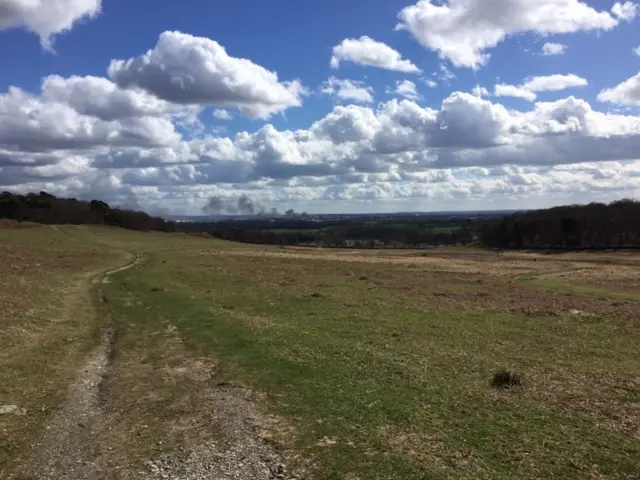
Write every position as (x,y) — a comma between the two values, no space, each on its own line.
(506,379)
(364,278)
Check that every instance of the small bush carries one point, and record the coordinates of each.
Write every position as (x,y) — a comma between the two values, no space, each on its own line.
(506,379)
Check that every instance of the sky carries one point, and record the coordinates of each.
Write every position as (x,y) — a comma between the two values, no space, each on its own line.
(335,107)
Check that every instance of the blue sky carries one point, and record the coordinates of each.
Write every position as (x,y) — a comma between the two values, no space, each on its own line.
(459,108)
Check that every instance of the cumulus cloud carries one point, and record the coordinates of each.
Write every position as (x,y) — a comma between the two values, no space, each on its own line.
(503,90)
(346,89)
(480,91)
(436,25)
(366,51)
(551,48)
(466,130)
(626,11)
(491,123)
(221,114)
(554,83)
(189,70)
(548,83)
(431,83)
(33,124)
(636,51)
(99,97)
(407,89)
(46,18)
(347,124)
(125,146)
(626,93)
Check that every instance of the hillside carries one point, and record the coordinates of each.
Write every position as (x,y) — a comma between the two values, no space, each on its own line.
(159,355)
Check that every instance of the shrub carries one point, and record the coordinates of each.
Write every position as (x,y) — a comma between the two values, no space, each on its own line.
(505,379)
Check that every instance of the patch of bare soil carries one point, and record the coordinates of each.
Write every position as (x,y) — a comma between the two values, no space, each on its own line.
(173,418)
(65,450)
(195,425)
(239,452)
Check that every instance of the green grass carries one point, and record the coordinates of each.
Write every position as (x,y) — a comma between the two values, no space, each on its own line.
(581,290)
(398,383)
(403,390)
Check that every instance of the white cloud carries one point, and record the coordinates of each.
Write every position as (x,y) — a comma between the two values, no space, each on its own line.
(636,51)
(407,89)
(551,48)
(184,69)
(626,11)
(503,90)
(548,83)
(463,30)
(350,123)
(46,18)
(466,131)
(554,83)
(221,114)
(479,91)
(445,74)
(122,148)
(431,83)
(346,89)
(99,97)
(627,93)
(32,124)
(367,52)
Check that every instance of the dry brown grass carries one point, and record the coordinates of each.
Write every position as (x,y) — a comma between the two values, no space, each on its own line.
(415,445)
(47,326)
(416,334)
(481,263)
(604,400)
(6,223)
(441,283)
(175,403)
(621,278)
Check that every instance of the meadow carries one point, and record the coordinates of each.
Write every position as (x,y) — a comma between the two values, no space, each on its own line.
(341,364)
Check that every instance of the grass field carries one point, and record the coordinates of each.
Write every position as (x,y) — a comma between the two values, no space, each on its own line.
(360,365)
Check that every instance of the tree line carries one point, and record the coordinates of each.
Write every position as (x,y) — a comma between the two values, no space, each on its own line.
(353,236)
(48,209)
(596,225)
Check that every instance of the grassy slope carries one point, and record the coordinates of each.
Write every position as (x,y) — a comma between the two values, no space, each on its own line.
(47,322)
(380,377)
(381,385)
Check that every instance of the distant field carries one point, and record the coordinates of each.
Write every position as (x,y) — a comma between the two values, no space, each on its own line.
(360,364)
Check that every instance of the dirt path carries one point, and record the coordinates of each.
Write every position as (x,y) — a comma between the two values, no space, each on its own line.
(238,453)
(78,442)
(65,449)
